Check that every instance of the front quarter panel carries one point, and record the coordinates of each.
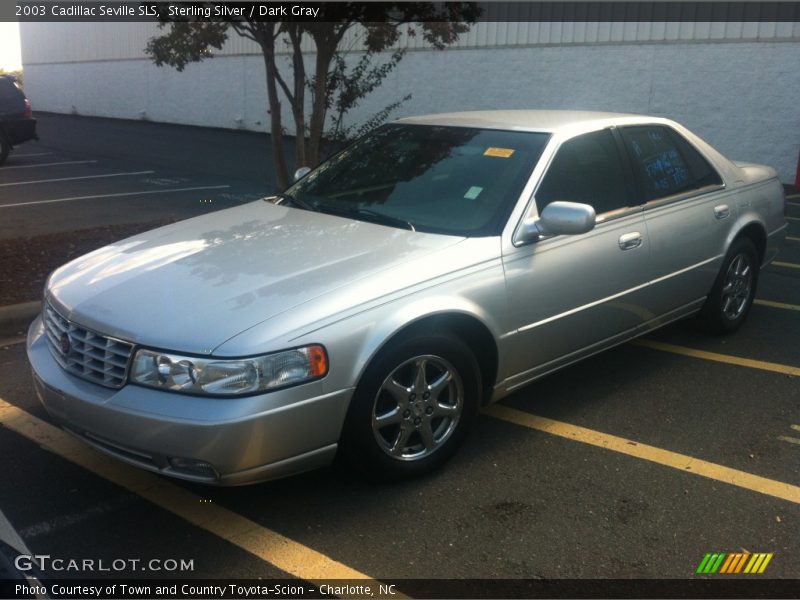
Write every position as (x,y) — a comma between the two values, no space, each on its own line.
(472,284)
(353,343)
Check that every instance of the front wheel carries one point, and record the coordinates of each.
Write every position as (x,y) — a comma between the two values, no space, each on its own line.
(413,406)
(730,299)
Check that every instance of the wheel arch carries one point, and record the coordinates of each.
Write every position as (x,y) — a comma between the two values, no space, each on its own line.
(751,226)
(463,320)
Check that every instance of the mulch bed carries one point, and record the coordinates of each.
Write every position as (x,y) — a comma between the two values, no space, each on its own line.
(25,262)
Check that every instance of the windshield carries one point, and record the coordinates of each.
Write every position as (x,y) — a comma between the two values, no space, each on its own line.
(453,180)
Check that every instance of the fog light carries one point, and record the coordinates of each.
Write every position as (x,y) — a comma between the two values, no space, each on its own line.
(193,466)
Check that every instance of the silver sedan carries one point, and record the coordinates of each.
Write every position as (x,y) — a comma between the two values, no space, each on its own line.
(435,265)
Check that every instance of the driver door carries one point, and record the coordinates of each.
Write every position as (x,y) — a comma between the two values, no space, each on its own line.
(573,295)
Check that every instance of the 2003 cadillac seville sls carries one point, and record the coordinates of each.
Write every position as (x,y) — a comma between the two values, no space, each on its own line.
(436,264)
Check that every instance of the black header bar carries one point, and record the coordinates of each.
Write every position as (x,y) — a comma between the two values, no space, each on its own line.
(681,12)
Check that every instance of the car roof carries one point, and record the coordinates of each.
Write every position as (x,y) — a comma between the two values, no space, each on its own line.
(530,120)
(568,123)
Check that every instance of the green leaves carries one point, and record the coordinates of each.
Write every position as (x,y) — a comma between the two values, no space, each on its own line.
(338,84)
(187,42)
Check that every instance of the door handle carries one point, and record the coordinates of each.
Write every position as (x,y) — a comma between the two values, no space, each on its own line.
(629,241)
(722,211)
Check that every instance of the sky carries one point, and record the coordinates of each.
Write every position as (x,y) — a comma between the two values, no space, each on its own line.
(9,46)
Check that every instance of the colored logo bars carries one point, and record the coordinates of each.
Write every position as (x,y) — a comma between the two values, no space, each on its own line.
(721,562)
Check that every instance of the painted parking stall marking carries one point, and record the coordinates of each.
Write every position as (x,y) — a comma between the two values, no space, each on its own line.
(791,439)
(33,154)
(785,265)
(284,553)
(773,304)
(118,195)
(55,164)
(59,179)
(10,536)
(667,458)
(716,357)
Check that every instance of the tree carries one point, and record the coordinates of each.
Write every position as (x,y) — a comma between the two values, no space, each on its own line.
(332,85)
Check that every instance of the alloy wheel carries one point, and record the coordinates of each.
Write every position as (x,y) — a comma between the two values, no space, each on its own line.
(417,408)
(737,287)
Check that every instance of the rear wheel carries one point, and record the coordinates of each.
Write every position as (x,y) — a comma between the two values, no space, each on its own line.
(413,406)
(730,299)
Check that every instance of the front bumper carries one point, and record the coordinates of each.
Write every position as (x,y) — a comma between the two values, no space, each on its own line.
(242,440)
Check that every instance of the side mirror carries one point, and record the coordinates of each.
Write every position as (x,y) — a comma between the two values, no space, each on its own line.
(301,172)
(558,218)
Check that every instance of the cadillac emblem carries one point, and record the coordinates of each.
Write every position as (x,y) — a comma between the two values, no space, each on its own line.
(65,343)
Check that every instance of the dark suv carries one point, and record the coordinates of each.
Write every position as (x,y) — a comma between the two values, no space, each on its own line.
(17,124)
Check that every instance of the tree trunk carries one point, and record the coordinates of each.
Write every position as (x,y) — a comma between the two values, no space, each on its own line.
(299,99)
(267,43)
(316,125)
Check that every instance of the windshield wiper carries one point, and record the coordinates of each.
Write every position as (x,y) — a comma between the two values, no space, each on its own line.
(284,197)
(371,215)
(384,218)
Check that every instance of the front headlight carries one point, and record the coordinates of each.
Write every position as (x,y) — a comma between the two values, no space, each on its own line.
(228,377)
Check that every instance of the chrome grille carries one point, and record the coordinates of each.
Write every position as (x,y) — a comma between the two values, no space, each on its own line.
(87,354)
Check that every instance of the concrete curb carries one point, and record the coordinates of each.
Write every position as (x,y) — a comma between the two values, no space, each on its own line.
(15,318)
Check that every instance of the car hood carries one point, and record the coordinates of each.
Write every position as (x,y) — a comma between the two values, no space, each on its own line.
(192,285)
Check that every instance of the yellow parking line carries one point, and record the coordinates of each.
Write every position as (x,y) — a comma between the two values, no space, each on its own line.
(723,358)
(792,203)
(791,440)
(792,196)
(795,427)
(793,218)
(667,458)
(773,304)
(285,554)
(787,265)
(792,238)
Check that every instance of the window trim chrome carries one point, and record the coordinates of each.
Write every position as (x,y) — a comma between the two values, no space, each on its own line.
(683,196)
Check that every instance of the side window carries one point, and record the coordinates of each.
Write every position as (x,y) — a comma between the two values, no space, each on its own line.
(587,169)
(665,163)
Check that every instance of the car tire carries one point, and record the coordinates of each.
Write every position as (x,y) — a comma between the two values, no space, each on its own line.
(413,406)
(729,302)
(5,148)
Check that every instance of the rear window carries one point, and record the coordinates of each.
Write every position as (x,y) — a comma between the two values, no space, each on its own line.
(666,164)
(11,97)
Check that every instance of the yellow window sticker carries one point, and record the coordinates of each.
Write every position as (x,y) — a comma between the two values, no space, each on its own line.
(499,152)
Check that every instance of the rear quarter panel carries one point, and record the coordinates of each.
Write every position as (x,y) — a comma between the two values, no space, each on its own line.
(760,199)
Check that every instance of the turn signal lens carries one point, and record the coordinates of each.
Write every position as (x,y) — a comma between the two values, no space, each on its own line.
(318,361)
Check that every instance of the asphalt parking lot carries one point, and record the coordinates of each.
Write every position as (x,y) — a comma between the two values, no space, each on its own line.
(631,465)
(92,172)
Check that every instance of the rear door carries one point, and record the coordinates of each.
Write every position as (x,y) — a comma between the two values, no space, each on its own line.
(687,213)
